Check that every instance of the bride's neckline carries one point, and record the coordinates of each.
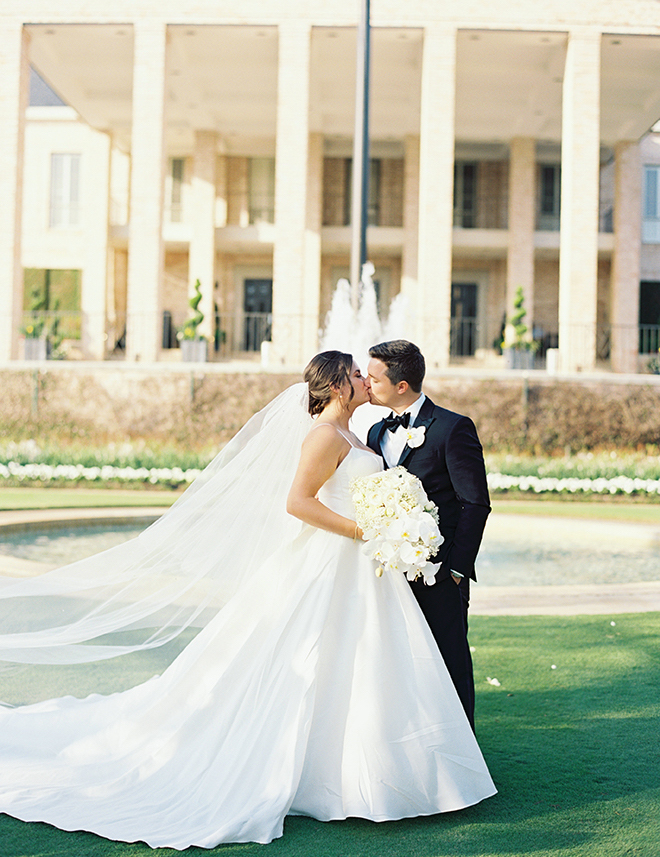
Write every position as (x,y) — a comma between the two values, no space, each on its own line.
(347,437)
(356,449)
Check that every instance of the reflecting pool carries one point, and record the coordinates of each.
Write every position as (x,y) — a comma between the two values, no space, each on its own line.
(524,550)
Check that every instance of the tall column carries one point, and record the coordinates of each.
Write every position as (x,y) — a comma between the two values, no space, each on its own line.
(409,261)
(14,85)
(292,272)
(580,163)
(201,263)
(624,305)
(312,289)
(221,191)
(520,254)
(436,185)
(96,189)
(145,263)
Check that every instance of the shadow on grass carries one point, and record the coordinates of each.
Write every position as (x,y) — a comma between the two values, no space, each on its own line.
(573,752)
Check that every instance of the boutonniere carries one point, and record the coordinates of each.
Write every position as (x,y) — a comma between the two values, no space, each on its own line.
(415,436)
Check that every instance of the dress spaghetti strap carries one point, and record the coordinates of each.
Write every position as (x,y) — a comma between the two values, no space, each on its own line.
(346,437)
(343,434)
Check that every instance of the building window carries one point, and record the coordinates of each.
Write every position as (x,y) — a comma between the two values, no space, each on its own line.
(463,319)
(64,190)
(549,199)
(175,189)
(261,184)
(465,194)
(649,317)
(385,201)
(651,211)
(373,202)
(257,313)
(56,293)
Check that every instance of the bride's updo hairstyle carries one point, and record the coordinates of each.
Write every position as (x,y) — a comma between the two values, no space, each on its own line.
(325,373)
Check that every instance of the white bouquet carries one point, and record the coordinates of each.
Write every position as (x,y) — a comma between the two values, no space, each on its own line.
(399,522)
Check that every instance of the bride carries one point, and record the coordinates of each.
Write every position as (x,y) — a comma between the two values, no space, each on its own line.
(299,682)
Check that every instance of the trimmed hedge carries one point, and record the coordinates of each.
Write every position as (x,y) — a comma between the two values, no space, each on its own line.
(202,410)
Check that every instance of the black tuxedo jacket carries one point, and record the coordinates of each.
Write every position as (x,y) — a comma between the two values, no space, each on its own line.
(450,465)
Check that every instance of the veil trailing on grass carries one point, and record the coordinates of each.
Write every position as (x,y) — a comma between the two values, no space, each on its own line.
(176,574)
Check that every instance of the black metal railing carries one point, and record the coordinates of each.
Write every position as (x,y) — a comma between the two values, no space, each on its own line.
(464,337)
(240,334)
(233,334)
(649,338)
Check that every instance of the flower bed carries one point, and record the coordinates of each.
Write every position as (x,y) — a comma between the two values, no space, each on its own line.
(20,473)
(136,464)
(48,473)
(502,482)
(623,473)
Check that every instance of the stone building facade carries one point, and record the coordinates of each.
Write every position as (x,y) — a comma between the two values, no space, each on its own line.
(213,142)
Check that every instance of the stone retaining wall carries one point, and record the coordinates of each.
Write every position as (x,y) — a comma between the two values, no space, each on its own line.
(199,410)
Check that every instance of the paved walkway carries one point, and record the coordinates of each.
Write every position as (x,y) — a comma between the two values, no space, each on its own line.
(568,600)
(571,600)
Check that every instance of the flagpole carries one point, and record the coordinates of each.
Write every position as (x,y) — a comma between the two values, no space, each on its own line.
(360,167)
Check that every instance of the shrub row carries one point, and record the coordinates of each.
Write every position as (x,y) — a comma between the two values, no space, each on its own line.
(198,413)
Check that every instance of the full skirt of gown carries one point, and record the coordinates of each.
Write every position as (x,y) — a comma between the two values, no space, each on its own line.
(317,690)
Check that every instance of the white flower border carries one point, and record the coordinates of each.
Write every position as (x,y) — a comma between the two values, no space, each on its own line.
(47,473)
(573,485)
(105,473)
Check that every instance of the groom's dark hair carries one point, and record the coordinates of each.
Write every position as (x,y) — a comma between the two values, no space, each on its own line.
(404,361)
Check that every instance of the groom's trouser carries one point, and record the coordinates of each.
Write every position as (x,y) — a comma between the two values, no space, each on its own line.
(445,607)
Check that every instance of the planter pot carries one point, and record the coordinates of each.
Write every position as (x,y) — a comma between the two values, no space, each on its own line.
(35,349)
(194,350)
(515,358)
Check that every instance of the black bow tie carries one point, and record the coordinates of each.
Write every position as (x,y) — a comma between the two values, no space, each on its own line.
(393,422)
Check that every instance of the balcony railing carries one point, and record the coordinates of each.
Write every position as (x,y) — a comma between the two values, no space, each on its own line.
(467,333)
(464,337)
(241,335)
(62,324)
(649,338)
(233,334)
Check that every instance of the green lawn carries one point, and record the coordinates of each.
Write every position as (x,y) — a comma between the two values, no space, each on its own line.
(83,498)
(574,752)
(604,509)
(80,498)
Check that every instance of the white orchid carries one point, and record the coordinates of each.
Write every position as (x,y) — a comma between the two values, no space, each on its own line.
(429,572)
(415,437)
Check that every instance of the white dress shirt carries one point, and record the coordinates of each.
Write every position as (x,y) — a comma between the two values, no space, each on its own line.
(393,442)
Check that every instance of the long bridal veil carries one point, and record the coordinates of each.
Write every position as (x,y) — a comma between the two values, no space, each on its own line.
(174,576)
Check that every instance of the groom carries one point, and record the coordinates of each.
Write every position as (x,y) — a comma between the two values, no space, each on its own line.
(447,457)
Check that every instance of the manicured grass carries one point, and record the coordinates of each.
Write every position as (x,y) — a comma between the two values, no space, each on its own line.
(573,751)
(83,498)
(80,498)
(604,509)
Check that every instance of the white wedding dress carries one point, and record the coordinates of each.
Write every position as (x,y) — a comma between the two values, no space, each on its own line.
(316,690)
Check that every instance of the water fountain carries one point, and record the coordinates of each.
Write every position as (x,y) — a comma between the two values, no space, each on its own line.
(355,331)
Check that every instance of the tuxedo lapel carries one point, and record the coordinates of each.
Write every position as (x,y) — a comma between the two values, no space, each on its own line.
(405,455)
(424,418)
(377,443)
